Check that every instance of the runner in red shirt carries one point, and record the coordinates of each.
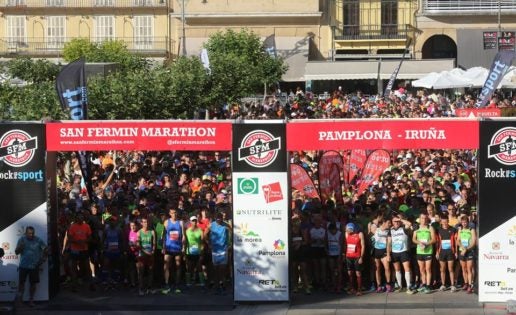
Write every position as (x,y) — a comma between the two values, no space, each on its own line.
(355,248)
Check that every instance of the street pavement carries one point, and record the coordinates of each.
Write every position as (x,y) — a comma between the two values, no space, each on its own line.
(195,302)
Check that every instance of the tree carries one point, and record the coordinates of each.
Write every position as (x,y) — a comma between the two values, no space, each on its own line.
(32,71)
(239,66)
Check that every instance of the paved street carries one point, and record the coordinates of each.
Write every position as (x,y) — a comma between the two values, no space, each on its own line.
(195,302)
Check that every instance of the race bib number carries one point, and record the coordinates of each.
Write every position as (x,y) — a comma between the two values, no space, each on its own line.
(464,242)
(174,235)
(397,245)
(446,244)
(194,249)
(351,248)
(380,244)
(112,246)
(333,249)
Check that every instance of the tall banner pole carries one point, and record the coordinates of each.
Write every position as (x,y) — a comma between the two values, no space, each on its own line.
(388,89)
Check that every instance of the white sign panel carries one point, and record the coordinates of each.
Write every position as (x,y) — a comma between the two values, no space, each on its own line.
(260,208)
(9,269)
(497,264)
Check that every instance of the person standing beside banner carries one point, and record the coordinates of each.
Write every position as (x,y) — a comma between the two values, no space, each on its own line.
(33,252)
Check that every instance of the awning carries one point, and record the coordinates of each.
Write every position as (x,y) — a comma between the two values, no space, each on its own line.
(368,69)
(295,52)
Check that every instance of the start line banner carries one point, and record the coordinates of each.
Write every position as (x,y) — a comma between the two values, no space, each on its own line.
(139,135)
(382,134)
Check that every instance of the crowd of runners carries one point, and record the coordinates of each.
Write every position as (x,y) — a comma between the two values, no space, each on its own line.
(162,221)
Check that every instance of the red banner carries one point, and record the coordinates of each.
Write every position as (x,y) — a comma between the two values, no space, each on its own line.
(382,134)
(139,135)
(478,112)
(330,167)
(356,162)
(376,163)
(301,181)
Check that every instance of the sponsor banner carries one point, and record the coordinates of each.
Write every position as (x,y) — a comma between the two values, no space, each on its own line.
(260,214)
(376,163)
(478,112)
(490,40)
(259,147)
(497,179)
(300,181)
(138,135)
(385,134)
(330,168)
(497,253)
(500,66)
(356,163)
(507,41)
(9,236)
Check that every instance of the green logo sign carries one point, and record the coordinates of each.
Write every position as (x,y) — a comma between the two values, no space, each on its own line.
(248,186)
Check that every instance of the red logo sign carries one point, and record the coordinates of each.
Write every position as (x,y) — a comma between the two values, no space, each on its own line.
(17,148)
(259,148)
(503,146)
(272,192)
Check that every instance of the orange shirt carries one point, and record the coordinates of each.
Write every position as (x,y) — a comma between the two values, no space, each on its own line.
(79,232)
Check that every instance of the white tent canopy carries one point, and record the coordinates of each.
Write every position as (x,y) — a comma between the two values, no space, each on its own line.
(478,75)
(442,80)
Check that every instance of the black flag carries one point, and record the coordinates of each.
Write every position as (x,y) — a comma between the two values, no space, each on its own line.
(270,45)
(395,73)
(501,64)
(72,93)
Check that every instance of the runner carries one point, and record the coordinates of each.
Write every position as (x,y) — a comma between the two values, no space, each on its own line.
(219,234)
(78,236)
(334,249)
(424,238)
(401,233)
(355,249)
(446,253)
(382,254)
(131,253)
(318,252)
(194,252)
(466,241)
(145,260)
(173,249)
(300,254)
(113,247)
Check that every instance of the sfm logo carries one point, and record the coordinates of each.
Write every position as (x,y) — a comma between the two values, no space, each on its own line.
(17,148)
(76,101)
(503,146)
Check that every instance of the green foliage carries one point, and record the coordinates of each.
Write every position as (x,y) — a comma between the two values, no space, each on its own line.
(240,66)
(32,71)
(107,51)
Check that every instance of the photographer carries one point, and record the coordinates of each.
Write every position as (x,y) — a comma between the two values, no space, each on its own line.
(33,252)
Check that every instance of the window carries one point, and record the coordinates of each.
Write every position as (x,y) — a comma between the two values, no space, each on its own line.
(142,3)
(14,3)
(16,31)
(351,18)
(389,17)
(143,32)
(55,3)
(104,28)
(104,3)
(55,31)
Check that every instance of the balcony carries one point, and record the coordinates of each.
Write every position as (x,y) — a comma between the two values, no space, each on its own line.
(78,4)
(468,7)
(53,47)
(372,32)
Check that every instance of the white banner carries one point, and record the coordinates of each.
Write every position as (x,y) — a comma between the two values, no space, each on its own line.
(260,208)
(497,264)
(37,218)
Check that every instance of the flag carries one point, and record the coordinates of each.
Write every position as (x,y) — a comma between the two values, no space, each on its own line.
(395,73)
(302,182)
(376,163)
(73,96)
(501,64)
(356,163)
(205,59)
(269,44)
(330,168)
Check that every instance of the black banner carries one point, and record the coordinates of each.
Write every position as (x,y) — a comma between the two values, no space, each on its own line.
(72,92)
(22,170)
(500,66)
(489,39)
(497,173)
(388,89)
(259,148)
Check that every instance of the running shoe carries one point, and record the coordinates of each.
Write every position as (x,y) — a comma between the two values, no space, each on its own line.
(427,290)
(359,293)
(410,291)
(177,291)
(379,290)
(165,290)
(373,288)
(453,288)
(442,288)
(421,288)
(470,290)
(141,293)
(465,287)
(389,288)
(308,291)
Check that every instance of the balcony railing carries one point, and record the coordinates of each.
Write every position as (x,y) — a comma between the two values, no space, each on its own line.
(471,7)
(150,46)
(25,4)
(368,32)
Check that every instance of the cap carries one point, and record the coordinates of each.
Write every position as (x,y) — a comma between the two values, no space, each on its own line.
(417,168)
(192,218)
(350,226)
